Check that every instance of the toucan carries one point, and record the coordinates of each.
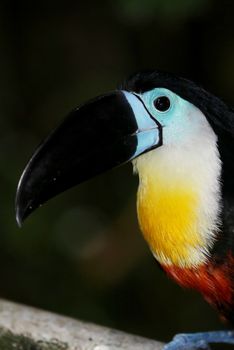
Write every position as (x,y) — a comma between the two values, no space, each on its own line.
(180,140)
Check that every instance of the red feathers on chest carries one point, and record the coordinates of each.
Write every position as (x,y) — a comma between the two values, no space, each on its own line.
(213,281)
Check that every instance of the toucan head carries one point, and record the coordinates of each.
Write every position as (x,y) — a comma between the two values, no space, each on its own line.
(149,111)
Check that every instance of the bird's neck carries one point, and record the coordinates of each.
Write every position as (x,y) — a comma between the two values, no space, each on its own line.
(179,202)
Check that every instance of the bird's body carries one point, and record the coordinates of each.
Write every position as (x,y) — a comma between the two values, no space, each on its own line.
(180,139)
(213,277)
(179,210)
(185,198)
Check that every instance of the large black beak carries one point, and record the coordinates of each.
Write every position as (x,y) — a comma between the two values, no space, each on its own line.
(104,133)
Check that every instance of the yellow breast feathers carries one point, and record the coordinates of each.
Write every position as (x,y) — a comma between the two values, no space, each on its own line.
(178,214)
(167,217)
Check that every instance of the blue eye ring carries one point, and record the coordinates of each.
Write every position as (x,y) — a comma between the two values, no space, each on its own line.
(162,103)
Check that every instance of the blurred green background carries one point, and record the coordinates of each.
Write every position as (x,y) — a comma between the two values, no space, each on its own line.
(82,254)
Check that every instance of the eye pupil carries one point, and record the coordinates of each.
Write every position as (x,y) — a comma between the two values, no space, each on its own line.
(162,103)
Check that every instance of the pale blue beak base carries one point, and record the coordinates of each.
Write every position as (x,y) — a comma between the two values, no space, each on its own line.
(149,133)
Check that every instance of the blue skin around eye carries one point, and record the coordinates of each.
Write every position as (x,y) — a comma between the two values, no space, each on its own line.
(175,121)
(149,98)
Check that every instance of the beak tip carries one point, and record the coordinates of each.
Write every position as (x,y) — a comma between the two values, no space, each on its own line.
(22,214)
(19,220)
(23,208)
(19,215)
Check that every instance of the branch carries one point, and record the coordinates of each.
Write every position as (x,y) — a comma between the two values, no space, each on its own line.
(23,327)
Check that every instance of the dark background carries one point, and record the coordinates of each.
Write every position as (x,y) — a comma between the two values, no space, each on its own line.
(82,254)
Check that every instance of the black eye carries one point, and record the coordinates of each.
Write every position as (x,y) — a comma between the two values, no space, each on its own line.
(162,103)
